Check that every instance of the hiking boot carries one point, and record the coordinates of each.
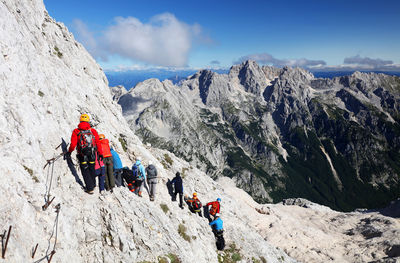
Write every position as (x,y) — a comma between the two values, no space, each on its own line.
(90,192)
(102,192)
(140,194)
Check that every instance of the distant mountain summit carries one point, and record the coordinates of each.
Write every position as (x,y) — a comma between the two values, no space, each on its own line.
(280,132)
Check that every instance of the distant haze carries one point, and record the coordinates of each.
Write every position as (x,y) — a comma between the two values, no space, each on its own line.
(130,78)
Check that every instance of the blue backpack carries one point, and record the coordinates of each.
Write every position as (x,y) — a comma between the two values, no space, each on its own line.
(136,173)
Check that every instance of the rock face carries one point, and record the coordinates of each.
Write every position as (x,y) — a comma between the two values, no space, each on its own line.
(47,80)
(280,133)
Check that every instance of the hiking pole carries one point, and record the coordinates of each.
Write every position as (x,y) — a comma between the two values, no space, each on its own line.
(58,146)
(5,247)
(34,251)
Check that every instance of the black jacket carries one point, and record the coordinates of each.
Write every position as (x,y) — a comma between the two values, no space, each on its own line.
(177,182)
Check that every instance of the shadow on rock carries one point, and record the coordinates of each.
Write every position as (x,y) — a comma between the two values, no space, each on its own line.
(71,165)
(171,190)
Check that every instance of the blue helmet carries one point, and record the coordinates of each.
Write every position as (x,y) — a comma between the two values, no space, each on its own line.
(219,199)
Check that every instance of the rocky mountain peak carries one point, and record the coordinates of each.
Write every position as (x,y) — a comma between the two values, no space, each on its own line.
(250,75)
(205,78)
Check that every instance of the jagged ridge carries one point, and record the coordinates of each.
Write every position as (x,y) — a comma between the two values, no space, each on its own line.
(280,132)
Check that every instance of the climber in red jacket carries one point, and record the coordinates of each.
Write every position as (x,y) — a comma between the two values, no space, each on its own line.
(86,139)
(215,207)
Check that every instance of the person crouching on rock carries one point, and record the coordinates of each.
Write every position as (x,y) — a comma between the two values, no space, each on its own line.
(194,204)
(86,139)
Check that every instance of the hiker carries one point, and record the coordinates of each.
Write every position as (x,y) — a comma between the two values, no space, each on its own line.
(117,167)
(86,139)
(194,204)
(100,171)
(108,162)
(218,230)
(215,207)
(130,181)
(140,175)
(151,172)
(178,188)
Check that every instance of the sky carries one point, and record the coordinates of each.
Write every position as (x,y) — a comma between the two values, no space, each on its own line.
(324,35)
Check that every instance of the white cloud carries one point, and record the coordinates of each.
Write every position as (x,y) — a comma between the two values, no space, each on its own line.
(86,37)
(164,41)
(366,61)
(349,64)
(265,58)
(364,64)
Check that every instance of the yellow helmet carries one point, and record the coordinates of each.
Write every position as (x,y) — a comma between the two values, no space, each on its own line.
(194,194)
(84,117)
(101,136)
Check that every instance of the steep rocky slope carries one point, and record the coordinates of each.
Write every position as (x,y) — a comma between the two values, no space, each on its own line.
(47,80)
(280,132)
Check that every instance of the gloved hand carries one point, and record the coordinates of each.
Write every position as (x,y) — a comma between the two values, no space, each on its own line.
(67,155)
(101,157)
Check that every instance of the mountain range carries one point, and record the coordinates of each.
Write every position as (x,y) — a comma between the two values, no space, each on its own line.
(279,132)
(129,78)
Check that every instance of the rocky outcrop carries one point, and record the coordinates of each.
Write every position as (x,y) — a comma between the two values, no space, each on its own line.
(282,132)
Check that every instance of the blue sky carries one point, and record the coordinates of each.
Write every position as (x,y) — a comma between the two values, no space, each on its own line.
(199,34)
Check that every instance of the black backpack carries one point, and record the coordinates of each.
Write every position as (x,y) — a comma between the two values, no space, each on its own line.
(151,172)
(127,175)
(136,173)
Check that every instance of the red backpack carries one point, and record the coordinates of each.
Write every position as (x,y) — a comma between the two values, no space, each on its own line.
(86,142)
(197,204)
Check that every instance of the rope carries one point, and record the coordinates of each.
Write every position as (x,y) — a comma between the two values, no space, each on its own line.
(55,229)
(48,184)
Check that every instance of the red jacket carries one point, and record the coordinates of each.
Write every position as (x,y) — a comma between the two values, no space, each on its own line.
(105,148)
(214,207)
(74,137)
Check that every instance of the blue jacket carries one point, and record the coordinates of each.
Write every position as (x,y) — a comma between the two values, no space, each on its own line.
(141,169)
(116,160)
(218,224)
